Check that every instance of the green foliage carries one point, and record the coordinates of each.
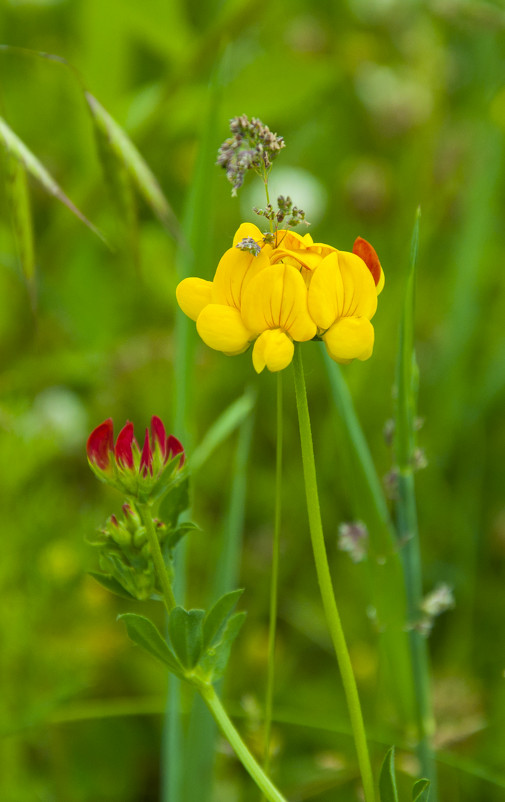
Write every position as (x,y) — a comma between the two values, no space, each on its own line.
(384,107)
(19,202)
(387,782)
(387,778)
(421,791)
(13,145)
(123,163)
(185,631)
(143,632)
(108,581)
(201,641)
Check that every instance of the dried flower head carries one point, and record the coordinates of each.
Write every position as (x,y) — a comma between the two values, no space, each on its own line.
(252,147)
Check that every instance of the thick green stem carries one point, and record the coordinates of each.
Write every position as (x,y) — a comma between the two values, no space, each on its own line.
(274,583)
(325,583)
(256,772)
(159,563)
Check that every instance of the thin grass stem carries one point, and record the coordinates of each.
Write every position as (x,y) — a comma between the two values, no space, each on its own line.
(407,526)
(325,583)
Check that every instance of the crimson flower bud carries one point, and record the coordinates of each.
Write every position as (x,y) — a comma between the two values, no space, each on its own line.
(144,475)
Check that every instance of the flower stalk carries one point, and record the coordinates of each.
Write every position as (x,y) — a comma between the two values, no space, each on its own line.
(325,583)
(274,583)
(221,717)
(159,563)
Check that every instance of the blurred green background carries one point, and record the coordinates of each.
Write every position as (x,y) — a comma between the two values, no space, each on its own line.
(384,105)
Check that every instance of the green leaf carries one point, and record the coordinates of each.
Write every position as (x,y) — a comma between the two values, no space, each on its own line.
(387,779)
(216,618)
(178,533)
(108,581)
(216,658)
(18,150)
(421,791)
(19,202)
(142,631)
(116,142)
(225,424)
(174,503)
(185,630)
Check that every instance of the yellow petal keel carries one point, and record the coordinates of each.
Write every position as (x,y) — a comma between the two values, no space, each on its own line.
(273,349)
(350,338)
(222,328)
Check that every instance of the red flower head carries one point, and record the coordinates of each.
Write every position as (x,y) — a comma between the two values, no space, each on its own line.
(143,474)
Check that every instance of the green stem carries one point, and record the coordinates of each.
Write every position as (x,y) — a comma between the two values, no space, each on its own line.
(325,583)
(159,563)
(408,532)
(215,706)
(274,582)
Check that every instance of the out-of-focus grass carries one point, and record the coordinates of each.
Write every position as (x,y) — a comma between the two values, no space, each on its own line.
(387,107)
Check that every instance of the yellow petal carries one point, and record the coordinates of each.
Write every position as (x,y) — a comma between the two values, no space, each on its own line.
(192,295)
(273,349)
(276,298)
(350,338)
(234,272)
(248,230)
(306,258)
(221,328)
(326,292)
(360,293)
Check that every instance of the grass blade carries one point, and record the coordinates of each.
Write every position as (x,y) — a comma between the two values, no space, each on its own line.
(221,429)
(197,226)
(121,193)
(406,516)
(116,144)
(369,505)
(19,203)
(202,729)
(18,150)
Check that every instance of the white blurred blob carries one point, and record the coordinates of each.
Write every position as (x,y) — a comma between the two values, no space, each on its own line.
(58,413)
(304,189)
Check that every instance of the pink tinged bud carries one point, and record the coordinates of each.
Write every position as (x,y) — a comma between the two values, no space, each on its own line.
(146,460)
(175,447)
(123,449)
(113,521)
(127,510)
(159,437)
(100,444)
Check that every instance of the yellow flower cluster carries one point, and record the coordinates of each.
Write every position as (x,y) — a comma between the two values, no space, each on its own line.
(292,291)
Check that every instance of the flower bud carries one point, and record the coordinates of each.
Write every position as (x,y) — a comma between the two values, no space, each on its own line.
(145,474)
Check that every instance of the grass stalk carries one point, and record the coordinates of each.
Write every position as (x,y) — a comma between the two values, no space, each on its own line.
(202,729)
(388,594)
(407,526)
